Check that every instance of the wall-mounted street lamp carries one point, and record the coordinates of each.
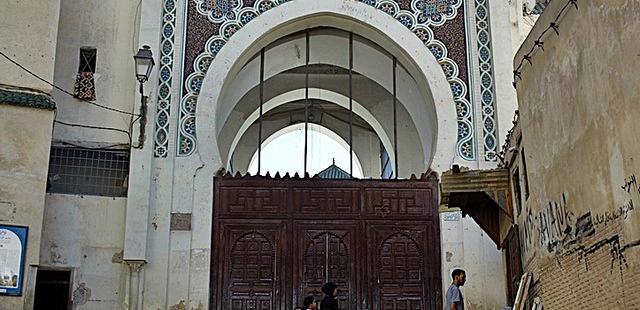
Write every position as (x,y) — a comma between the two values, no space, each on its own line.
(144,65)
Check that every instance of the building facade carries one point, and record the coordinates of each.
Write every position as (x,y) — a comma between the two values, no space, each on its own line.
(127,218)
(26,114)
(572,157)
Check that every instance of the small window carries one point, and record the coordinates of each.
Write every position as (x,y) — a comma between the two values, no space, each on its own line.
(85,87)
(517,190)
(87,60)
(524,174)
(88,171)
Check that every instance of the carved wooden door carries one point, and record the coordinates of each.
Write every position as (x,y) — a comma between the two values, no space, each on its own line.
(402,274)
(514,264)
(249,274)
(276,241)
(326,253)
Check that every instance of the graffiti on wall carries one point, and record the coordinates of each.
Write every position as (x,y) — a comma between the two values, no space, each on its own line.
(616,250)
(556,229)
(630,187)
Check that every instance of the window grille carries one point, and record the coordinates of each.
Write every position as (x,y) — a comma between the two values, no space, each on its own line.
(85,86)
(96,172)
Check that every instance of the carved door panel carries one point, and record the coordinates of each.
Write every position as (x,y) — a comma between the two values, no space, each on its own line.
(276,241)
(250,256)
(514,264)
(326,252)
(402,274)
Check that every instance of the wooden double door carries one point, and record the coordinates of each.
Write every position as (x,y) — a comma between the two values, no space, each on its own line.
(276,241)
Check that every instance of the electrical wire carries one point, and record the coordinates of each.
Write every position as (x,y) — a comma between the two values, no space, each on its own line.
(61,89)
(128,133)
(106,147)
(92,127)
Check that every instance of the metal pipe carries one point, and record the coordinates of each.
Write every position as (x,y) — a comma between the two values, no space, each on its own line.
(395,119)
(351,104)
(306,103)
(261,103)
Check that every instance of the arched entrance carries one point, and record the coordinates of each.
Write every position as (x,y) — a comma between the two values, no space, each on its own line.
(387,232)
(217,98)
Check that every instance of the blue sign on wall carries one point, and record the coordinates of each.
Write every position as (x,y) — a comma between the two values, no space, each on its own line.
(13,247)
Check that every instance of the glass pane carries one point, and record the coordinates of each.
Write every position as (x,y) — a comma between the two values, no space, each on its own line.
(411,112)
(239,134)
(328,96)
(373,92)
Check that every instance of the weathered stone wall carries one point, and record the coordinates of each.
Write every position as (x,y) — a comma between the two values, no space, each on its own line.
(28,31)
(580,225)
(111,28)
(86,235)
(24,158)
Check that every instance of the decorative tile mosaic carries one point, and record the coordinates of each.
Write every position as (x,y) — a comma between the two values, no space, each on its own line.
(486,81)
(212,22)
(453,35)
(26,98)
(163,106)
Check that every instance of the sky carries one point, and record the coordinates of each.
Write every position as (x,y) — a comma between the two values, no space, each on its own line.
(286,153)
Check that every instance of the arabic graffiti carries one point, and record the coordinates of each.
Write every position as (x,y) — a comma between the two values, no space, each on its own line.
(555,227)
(558,230)
(630,187)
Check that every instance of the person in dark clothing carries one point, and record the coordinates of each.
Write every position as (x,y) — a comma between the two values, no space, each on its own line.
(330,300)
(309,303)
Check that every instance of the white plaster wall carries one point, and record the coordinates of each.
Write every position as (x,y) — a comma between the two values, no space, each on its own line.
(520,24)
(466,246)
(86,234)
(111,27)
(24,161)
(506,101)
(28,31)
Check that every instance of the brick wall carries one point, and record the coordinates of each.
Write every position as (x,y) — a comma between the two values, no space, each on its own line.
(578,114)
(599,275)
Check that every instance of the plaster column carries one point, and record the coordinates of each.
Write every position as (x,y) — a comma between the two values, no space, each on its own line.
(138,196)
(134,289)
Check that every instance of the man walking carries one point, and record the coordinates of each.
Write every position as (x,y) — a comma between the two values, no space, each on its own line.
(454,296)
